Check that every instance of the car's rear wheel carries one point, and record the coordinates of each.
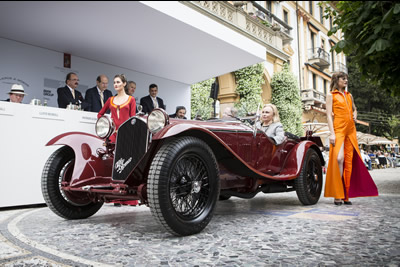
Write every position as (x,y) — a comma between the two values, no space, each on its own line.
(183,186)
(309,183)
(69,205)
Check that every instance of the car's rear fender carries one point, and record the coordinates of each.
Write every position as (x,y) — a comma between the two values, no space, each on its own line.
(294,161)
(87,164)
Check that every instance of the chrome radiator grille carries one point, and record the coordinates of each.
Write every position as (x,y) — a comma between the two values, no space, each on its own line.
(130,147)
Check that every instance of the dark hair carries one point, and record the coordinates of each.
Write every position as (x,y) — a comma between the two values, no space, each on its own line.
(152,86)
(122,77)
(69,76)
(335,79)
(179,108)
(129,82)
(99,77)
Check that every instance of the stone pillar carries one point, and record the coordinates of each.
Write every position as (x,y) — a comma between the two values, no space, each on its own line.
(266,88)
(278,65)
(227,91)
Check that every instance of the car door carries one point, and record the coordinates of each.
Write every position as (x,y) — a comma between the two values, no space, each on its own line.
(269,156)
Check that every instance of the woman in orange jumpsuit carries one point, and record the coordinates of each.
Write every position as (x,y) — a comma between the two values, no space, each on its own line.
(346,176)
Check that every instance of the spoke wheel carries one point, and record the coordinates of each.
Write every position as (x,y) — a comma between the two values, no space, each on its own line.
(183,185)
(309,183)
(68,205)
(189,186)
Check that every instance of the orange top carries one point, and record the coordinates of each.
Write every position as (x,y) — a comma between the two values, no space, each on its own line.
(342,107)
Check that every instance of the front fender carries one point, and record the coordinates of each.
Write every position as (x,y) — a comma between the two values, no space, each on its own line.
(175,129)
(87,164)
(294,161)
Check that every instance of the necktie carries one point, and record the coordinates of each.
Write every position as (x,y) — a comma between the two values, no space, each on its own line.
(102,98)
(155,103)
(73,93)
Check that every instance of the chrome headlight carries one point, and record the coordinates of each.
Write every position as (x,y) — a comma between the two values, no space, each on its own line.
(104,127)
(157,120)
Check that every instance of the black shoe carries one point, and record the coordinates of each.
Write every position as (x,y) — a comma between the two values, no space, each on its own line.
(338,202)
(347,203)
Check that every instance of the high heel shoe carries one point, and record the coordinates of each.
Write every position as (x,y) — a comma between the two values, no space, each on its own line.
(338,202)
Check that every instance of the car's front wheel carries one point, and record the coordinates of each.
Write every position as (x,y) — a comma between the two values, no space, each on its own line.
(69,205)
(183,185)
(309,183)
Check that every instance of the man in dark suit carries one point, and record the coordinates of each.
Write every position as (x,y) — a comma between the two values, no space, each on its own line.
(97,96)
(151,101)
(68,94)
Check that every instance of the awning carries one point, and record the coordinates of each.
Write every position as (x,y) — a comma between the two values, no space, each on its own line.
(164,39)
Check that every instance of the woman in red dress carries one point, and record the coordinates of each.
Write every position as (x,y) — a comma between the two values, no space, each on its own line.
(122,106)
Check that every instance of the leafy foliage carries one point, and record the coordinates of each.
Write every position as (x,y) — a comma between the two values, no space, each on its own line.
(371,32)
(379,110)
(248,86)
(286,97)
(201,103)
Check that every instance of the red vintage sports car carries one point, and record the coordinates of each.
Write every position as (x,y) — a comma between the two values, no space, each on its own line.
(179,168)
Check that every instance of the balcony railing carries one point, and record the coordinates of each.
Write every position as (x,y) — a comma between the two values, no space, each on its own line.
(339,66)
(319,57)
(236,15)
(253,8)
(312,97)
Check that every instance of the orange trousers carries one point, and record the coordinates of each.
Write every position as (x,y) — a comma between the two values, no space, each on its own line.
(347,165)
(337,186)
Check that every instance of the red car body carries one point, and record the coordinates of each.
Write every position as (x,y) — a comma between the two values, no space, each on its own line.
(92,171)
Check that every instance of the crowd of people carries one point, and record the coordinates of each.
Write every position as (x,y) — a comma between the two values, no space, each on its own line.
(379,159)
(122,104)
(96,97)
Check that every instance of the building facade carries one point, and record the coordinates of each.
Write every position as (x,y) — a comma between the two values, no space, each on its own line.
(293,32)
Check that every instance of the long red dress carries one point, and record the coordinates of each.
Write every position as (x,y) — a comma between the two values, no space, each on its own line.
(126,110)
(356,180)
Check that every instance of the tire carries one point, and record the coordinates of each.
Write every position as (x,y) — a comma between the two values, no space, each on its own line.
(68,205)
(183,186)
(309,183)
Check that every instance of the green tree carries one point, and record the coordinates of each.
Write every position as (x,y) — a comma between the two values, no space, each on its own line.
(286,97)
(394,127)
(248,85)
(201,104)
(373,105)
(371,32)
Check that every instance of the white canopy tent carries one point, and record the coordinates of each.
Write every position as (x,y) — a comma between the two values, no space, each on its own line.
(322,130)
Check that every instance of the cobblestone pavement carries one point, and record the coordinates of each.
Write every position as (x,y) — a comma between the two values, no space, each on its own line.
(268,230)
